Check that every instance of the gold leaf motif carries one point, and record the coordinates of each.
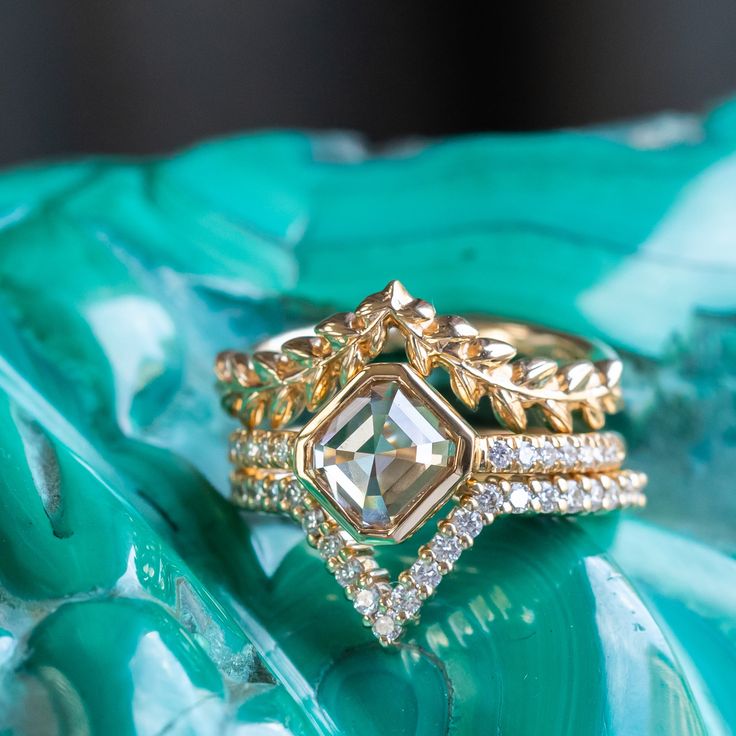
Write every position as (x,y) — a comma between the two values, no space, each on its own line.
(576,376)
(351,363)
(270,366)
(465,387)
(340,328)
(307,349)
(320,387)
(536,372)
(509,409)
(491,353)
(558,415)
(279,385)
(612,370)
(418,354)
(593,414)
(375,339)
(253,409)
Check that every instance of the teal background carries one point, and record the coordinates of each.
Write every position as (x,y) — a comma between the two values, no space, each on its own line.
(135,600)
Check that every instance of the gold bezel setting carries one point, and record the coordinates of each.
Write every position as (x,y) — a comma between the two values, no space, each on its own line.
(427,501)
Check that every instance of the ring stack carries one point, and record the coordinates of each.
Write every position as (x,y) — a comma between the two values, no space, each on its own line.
(381,452)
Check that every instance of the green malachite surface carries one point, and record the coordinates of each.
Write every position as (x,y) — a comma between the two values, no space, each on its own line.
(134,599)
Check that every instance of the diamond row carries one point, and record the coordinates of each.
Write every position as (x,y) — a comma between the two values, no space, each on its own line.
(352,564)
(562,453)
(573,453)
(558,494)
(260,448)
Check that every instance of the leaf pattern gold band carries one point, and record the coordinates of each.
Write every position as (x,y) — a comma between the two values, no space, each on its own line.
(279,385)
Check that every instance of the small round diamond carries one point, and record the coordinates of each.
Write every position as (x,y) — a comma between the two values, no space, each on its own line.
(295,491)
(467,522)
(575,496)
(386,627)
(366,601)
(519,497)
(612,495)
(626,490)
(405,599)
(251,450)
(272,490)
(596,494)
(598,455)
(489,499)
(585,454)
(348,572)
(500,454)
(547,497)
(549,453)
(613,453)
(527,454)
(280,453)
(446,549)
(426,573)
(570,455)
(264,451)
(329,546)
(312,519)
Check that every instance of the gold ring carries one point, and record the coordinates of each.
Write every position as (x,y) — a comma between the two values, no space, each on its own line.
(384,451)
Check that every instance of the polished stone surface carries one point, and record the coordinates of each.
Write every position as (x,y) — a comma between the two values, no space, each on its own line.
(135,600)
(382,452)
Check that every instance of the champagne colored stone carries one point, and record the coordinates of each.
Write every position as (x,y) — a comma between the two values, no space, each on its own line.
(381,453)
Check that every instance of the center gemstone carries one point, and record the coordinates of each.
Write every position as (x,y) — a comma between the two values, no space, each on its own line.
(380,454)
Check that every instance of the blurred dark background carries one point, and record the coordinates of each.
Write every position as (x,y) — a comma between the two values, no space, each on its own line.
(142,76)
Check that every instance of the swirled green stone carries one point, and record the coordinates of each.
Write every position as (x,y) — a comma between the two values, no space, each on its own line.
(135,600)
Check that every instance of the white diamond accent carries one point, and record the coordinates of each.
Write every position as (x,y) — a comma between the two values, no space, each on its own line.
(312,519)
(426,573)
(467,522)
(527,454)
(446,549)
(575,496)
(569,455)
(548,497)
(386,627)
(596,494)
(489,499)
(585,454)
(519,498)
(348,572)
(500,454)
(405,599)
(366,601)
(549,454)
(329,546)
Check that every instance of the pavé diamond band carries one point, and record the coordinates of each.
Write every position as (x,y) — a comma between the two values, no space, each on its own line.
(494,452)
(384,451)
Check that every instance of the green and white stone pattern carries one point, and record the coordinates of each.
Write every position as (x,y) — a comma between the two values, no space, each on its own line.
(134,599)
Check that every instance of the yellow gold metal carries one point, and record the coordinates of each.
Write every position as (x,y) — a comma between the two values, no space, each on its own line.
(278,385)
(406,462)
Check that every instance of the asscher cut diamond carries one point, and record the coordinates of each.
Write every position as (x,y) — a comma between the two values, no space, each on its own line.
(381,454)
